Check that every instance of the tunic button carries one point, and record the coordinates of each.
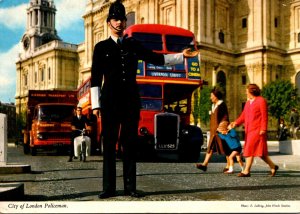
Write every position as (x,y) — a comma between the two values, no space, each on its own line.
(123,80)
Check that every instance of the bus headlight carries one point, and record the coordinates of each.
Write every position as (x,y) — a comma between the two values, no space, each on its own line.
(144,131)
(41,136)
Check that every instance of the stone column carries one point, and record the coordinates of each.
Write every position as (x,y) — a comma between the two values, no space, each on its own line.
(3,139)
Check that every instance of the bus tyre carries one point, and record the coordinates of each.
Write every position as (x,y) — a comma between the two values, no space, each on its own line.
(190,143)
(33,151)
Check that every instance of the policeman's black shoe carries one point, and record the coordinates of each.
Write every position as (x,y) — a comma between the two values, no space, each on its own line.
(106,194)
(70,159)
(133,194)
(75,157)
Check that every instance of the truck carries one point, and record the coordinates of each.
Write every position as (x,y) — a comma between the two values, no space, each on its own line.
(48,120)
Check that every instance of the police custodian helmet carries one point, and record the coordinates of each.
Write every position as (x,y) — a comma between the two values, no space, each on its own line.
(116,11)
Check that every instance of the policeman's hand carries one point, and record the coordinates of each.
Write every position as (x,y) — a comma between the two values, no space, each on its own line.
(189,54)
(96,112)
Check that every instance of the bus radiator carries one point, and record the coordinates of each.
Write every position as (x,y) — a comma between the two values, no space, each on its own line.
(166,132)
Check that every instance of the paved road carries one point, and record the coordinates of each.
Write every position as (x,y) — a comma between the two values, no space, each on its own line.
(54,179)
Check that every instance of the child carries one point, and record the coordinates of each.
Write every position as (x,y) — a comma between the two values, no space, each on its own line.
(227,133)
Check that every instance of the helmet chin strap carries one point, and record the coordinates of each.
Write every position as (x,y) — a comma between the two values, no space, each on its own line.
(115,28)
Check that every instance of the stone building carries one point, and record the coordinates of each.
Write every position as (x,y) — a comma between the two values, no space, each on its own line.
(45,62)
(241,42)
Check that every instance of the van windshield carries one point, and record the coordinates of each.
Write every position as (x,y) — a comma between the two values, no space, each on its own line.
(55,113)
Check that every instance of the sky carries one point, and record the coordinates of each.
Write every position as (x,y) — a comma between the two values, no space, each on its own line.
(69,25)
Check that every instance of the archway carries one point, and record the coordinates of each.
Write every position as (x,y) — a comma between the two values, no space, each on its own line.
(221,81)
(130,19)
(297,83)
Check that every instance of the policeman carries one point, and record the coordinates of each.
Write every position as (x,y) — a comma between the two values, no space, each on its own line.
(116,59)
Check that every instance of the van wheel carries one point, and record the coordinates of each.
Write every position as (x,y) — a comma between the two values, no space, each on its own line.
(32,149)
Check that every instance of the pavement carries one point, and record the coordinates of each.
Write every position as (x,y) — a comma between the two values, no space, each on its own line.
(15,190)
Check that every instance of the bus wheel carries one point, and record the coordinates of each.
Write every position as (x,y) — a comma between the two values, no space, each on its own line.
(33,151)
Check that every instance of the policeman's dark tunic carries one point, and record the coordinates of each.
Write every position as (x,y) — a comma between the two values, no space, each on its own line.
(120,104)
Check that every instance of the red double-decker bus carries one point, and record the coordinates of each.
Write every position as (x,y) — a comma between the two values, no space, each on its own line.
(166,94)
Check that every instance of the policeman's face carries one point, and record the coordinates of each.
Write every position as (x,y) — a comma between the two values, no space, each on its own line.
(117,26)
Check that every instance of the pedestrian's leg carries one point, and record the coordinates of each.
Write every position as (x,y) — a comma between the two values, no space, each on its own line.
(203,166)
(207,158)
(240,161)
(230,163)
(249,161)
(271,164)
(71,148)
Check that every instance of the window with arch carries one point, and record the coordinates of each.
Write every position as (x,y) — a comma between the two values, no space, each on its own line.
(221,37)
(221,81)
(244,79)
(49,73)
(130,19)
(298,37)
(297,82)
(25,79)
(244,22)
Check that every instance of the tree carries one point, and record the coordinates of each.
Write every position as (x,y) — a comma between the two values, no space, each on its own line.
(281,97)
(205,104)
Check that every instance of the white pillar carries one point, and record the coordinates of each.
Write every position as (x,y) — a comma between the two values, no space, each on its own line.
(3,139)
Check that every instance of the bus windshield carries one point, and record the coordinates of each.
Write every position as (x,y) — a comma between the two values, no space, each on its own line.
(178,43)
(151,97)
(174,43)
(149,40)
(55,113)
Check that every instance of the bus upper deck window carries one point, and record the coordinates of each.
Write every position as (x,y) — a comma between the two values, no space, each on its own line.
(178,43)
(150,40)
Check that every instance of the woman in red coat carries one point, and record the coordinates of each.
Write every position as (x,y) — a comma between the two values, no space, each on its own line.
(255,119)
